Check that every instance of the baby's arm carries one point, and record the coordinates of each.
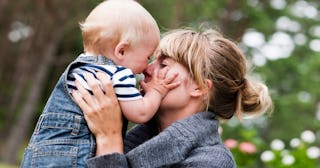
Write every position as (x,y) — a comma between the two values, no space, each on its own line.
(142,110)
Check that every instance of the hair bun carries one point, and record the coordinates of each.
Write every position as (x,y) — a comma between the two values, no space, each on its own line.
(255,98)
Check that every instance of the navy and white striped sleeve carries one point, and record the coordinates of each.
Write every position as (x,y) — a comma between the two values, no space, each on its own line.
(124,83)
(78,74)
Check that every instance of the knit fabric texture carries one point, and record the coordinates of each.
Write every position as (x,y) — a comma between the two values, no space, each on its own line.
(190,142)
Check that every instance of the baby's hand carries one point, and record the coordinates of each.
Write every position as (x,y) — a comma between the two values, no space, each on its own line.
(161,82)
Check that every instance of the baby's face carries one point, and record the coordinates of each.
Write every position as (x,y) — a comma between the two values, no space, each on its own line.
(137,57)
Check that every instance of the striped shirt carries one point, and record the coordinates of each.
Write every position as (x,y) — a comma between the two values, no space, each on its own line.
(122,78)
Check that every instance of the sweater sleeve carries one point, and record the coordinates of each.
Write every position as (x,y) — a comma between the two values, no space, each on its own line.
(109,160)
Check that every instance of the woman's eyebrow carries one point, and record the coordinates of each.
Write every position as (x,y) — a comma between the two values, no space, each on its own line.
(163,56)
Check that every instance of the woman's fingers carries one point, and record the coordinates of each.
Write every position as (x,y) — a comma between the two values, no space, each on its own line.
(86,96)
(95,86)
(79,100)
(102,113)
(106,84)
(109,100)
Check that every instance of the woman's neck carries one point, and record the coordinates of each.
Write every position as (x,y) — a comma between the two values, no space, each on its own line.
(164,121)
(166,118)
(167,115)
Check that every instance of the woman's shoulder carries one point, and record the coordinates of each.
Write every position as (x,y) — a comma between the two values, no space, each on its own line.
(210,156)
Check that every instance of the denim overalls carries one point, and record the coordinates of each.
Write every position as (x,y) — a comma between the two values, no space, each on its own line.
(61,137)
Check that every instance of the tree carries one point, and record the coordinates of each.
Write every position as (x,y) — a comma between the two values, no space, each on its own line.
(49,21)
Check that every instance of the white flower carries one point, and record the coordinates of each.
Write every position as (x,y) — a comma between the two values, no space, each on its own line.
(288,160)
(313,152)
(308,136)
(295,142)
(277,144)
(267,156)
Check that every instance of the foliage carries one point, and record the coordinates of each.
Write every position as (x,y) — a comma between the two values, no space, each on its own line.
(250,150)
(3,165)
(293,80)
(301,153)
(244,143)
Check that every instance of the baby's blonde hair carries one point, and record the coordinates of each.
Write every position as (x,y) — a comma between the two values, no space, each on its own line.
(209,56)
(114,21)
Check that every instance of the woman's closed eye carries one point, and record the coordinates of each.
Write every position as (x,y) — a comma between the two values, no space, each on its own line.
(164,63)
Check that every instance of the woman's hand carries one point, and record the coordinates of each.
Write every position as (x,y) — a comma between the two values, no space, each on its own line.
(102,113)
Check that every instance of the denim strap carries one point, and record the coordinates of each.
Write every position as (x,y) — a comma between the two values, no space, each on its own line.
(39,123)
(102,60)
(77,125)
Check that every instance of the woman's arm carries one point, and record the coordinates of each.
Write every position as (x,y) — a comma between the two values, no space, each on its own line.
(102,113)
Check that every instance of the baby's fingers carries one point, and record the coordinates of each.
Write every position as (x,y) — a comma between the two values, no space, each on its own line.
(173,85)
(142,84)
(162,74)
(170,78)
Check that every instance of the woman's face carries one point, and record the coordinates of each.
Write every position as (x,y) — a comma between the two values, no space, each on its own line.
(176,98)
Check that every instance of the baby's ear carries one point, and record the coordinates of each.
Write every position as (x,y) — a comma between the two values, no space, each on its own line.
(121,49)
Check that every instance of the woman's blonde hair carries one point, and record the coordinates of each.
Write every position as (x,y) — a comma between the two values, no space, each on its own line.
(114,21)
(209,56)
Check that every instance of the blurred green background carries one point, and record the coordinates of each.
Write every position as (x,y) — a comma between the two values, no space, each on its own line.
(281,39)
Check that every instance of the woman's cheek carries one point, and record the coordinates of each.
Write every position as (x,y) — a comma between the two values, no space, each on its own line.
(171,101)
(172,72)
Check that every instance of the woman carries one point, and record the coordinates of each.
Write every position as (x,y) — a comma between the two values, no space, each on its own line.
(184,132)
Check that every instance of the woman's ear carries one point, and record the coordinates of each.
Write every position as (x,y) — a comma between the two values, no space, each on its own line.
(209,84)
(121,49)
(197,91)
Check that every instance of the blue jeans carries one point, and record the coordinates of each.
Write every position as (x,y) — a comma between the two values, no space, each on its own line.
(67,143)
(61,137)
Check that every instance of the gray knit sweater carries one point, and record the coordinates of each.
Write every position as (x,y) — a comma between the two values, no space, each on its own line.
(190,142)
